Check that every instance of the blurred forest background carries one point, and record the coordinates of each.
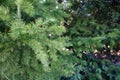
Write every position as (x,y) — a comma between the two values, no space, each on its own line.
(59,39)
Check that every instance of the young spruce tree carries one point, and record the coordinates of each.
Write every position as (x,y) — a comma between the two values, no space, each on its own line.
(32,45)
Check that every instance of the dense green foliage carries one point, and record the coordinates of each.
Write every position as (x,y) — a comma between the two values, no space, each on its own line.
(31,41)
(94,24)
(92,68)
(49,39)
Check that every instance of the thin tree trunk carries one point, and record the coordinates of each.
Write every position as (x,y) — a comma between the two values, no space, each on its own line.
(19,12)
